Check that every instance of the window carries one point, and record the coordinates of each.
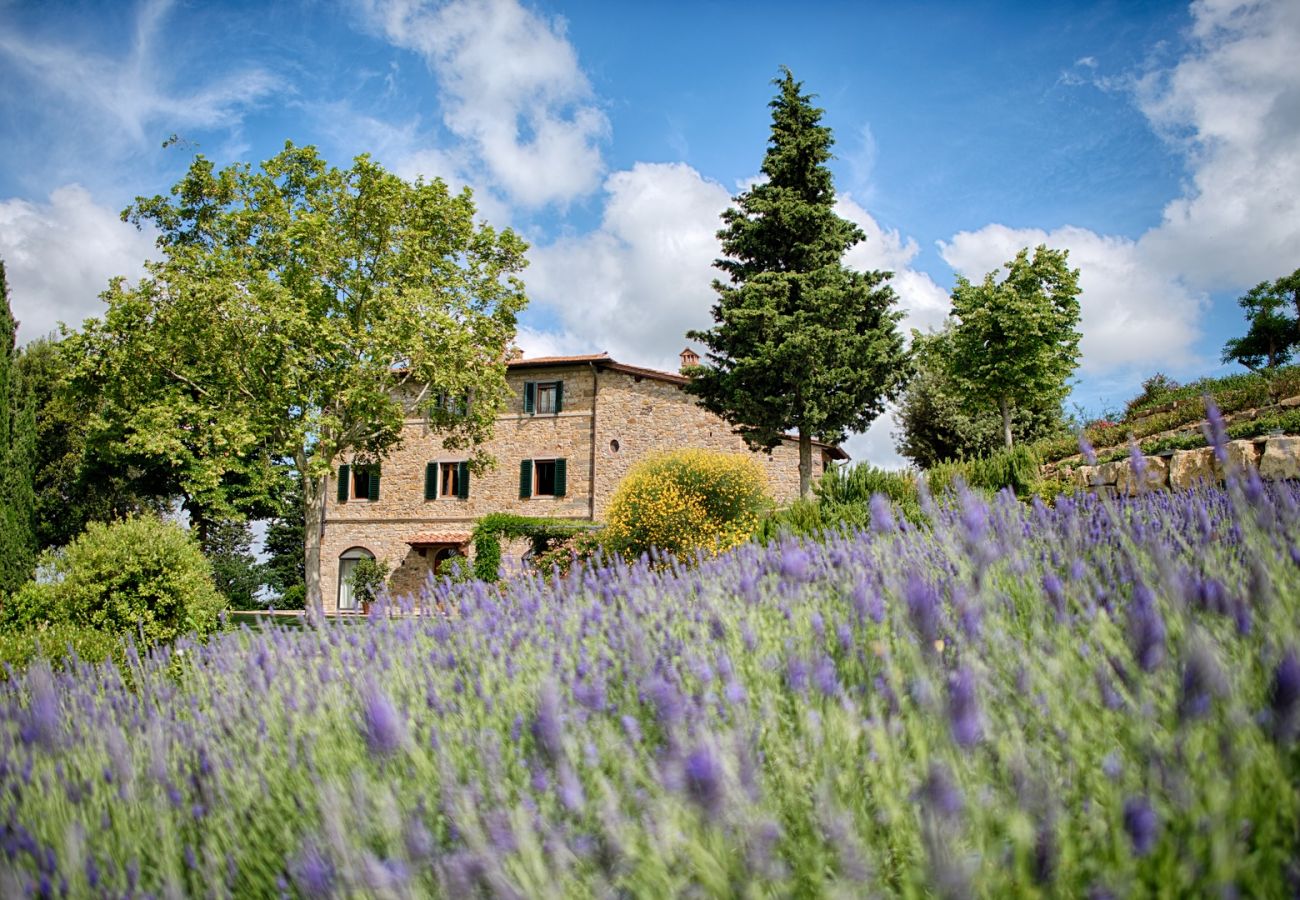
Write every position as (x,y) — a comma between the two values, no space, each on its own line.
(543,478)
(454,405)
(543,397)
(347,562)
(358,482)
(446,480)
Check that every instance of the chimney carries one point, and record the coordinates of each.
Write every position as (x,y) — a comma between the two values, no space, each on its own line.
(689,358)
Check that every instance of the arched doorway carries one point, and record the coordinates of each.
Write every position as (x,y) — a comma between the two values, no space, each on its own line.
(347,562)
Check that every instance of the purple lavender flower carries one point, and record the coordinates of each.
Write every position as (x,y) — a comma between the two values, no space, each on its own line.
(1141,824)
(796,674)
(882,514)
(923,607)
(794,564)
(963,708)
(383,728)
(547,728)
(702,774)
(867,602)
(569,789)
(939,794)
(1146,629)
(824,676)
(1055,594)
(43,724)
(1284,696)
(1203,680)
(312,872)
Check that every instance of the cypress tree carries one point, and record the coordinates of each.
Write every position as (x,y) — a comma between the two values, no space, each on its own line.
(801,342)
(17,458)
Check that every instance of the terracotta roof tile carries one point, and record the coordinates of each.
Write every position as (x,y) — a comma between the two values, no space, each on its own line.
(429,538)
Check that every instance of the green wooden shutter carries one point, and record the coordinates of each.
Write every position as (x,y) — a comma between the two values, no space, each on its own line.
(559,395)
(431,481)
(344,474)
(530,396)
(525,479)
(374,483)
(462,480)
(561,477)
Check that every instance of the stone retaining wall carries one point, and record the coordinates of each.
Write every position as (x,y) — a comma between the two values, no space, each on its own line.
(1272,457)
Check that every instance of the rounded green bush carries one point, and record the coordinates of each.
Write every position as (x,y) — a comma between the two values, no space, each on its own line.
(140,576)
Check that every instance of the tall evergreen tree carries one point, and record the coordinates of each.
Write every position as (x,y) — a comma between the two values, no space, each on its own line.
(17,458)
(801,341)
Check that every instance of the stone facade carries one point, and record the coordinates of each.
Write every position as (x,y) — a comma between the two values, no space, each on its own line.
(611,415)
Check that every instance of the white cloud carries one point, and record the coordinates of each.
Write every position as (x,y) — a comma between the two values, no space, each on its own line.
(60,255)
(124,102)
(876,444)
(1134,314)
(512,87)
(925,303)
(634,286)
(1233,105)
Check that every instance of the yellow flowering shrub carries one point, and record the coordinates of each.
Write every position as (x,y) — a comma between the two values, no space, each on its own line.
(687,501)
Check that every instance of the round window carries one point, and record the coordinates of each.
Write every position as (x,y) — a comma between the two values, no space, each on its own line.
(613,446)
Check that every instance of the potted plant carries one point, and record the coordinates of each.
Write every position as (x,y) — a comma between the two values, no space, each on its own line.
(368,577)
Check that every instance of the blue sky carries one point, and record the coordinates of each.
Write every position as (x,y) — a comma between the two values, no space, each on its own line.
(1158,142)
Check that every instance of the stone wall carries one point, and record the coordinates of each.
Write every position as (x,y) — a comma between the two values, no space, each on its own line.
(642,414)
(1272,457)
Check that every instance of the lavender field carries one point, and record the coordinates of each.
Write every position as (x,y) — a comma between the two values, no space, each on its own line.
(1098,699)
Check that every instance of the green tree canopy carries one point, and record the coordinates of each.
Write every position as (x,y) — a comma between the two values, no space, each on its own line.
(1273,310)
(17,459)
(937,424)
(801,341)
(1016,341)
(300,313)
(74,483)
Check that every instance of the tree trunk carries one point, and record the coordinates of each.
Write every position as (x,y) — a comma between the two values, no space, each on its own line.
(805,464)
(313,498)
(1005,406)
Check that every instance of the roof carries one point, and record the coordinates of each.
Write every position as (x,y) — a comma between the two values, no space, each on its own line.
(433,538)
(605,361)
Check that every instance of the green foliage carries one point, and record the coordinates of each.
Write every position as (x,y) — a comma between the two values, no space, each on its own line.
(687,502)
(490,530)
(58,643)
(1016,341)
(140,576)
(1272,309)
(77,482)
(368,578)
(284,570)
(1157,389)
(843,502)
(936,421)
(801,342)
(227,545)
(17,459)
(1016,468)
(301,313)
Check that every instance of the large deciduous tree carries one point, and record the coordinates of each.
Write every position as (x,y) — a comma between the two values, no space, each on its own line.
(300,313)
(801,341)
(1016,341)
(936,423)
(1273,310)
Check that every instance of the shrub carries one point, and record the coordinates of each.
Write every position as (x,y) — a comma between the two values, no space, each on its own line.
(687,501)
(139,575)
(56,643)
(545,534)
(368,578)
(843,501)
(1016,469)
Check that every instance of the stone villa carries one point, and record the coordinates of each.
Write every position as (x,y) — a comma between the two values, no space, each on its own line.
(573,428)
